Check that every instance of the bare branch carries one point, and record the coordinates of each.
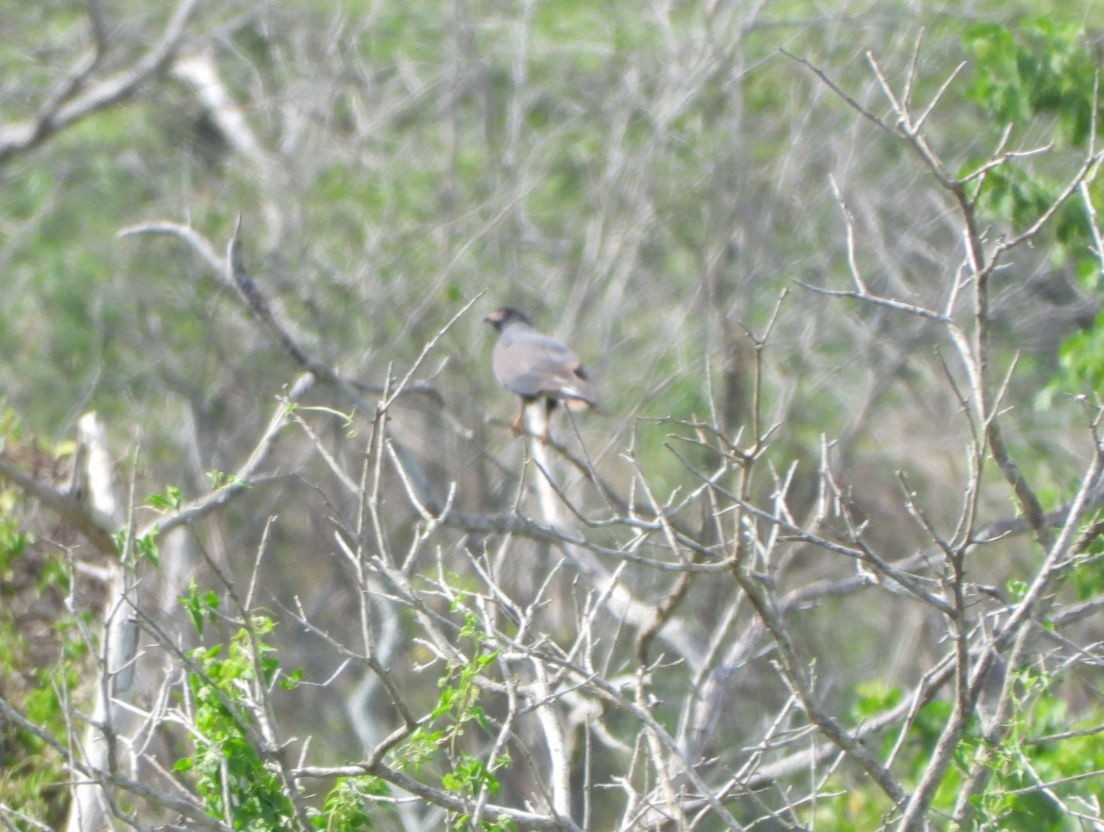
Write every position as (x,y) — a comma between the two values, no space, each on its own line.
(69,104)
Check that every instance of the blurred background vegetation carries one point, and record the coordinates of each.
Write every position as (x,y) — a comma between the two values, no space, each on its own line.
(650,181)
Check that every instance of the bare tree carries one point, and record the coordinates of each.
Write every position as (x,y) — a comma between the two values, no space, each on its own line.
(681,616)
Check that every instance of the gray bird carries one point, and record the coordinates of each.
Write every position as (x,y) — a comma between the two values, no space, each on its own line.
(536,366)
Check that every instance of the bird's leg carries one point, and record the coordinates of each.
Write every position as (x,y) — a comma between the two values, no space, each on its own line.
(549,406)
(518,427)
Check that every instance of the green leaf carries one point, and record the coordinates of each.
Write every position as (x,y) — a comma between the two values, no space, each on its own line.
(170,500)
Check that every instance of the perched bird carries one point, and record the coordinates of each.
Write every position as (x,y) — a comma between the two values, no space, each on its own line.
(536,366)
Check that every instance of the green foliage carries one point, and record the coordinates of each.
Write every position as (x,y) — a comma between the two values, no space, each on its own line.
(458,706)
(201,608)
(145,545)
(1087,576)
(13,540)
(1045,68)
(345,808)
(872,698)
(1043,746)
(170,500)
(220,479)
(1042,67)
(1081,358)
(39,676)
(237,782)
(232,776)
(457,703)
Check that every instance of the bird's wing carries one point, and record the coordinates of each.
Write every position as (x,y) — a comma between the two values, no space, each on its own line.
(532,364)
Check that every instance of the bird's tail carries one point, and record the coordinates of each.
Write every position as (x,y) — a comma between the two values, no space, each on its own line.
(576,405)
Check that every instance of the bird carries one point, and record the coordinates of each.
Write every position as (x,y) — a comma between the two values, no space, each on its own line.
(537,366)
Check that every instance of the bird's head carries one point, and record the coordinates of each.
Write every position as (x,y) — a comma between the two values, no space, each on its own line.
(501,318)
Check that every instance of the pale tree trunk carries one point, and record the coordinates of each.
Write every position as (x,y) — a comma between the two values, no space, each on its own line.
(99,747)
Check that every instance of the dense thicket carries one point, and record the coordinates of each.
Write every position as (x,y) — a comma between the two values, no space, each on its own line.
(828,556)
